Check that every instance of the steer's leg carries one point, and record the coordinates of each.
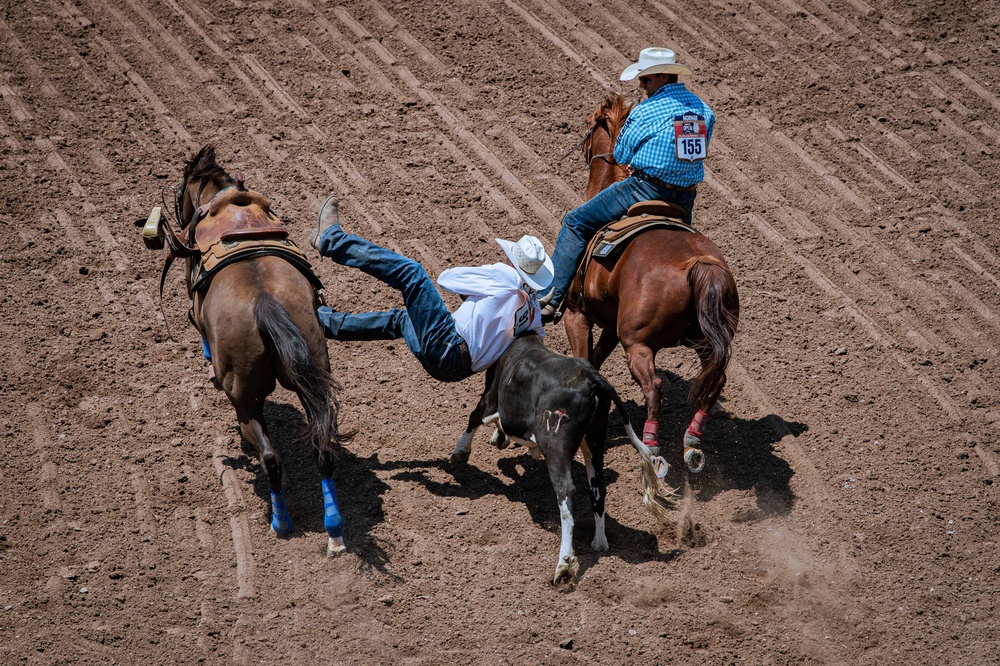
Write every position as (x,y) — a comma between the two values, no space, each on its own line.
(559,459)
(461,452)
(593,457)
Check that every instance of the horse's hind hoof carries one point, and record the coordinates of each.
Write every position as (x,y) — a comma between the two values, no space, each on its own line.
(694,459)
(335,547)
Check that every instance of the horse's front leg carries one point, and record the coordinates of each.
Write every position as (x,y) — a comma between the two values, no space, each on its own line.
(606,344)
(642,364)
(580,332)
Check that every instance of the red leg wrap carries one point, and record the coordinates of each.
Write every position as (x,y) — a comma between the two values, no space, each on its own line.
(697,427)
(649,430)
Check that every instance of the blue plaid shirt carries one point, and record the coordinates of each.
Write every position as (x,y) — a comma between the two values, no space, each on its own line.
(646,142)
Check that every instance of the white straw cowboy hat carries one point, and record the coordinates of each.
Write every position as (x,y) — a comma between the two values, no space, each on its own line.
(530,261)
(654,60)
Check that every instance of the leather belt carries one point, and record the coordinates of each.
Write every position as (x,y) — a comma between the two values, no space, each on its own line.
(656,181)
(463,348)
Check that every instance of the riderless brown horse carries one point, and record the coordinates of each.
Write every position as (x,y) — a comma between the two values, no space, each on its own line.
(254,302)
(668,287)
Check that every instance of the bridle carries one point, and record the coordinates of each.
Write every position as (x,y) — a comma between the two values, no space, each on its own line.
(585,142)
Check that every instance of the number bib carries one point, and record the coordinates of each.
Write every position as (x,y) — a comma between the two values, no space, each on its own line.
(691,137)
(525,314)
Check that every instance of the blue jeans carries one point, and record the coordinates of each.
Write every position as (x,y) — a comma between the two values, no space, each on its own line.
(425,325)
(581,223)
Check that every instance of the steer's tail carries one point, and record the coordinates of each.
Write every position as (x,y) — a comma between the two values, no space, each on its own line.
(317,390)
(653,498)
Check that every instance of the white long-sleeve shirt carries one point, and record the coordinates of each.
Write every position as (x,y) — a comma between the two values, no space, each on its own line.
(499,307)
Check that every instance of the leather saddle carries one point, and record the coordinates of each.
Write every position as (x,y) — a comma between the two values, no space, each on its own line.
(234,215)
(642,216)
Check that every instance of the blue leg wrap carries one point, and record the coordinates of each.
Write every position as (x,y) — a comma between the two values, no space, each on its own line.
(281,522)
(332,519)
(204,346)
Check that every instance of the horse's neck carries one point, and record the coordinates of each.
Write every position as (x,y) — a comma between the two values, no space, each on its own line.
(603,174)
(205,192)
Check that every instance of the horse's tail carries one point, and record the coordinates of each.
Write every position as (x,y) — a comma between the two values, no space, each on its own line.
(655,501)
(718,308)
(316,388)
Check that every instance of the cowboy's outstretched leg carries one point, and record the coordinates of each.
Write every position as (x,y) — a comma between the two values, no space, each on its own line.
(426,325)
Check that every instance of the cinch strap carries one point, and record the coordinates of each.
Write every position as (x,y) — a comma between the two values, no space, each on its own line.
(332,520)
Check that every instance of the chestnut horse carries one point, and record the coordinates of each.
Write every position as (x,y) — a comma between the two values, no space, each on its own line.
(255,307)
(667,288)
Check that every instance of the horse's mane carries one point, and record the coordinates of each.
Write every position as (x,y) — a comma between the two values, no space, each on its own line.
(203,166)
(613,110)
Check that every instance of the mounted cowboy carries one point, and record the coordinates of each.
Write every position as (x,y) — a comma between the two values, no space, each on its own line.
(500,301)
(662,144)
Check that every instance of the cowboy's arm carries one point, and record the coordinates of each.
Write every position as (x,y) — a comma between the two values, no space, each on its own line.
(630,138)
(468,280)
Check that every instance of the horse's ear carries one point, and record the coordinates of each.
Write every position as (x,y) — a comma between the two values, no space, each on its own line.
(241,181)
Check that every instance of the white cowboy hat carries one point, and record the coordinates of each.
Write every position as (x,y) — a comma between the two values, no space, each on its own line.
(654,60)
(529,260)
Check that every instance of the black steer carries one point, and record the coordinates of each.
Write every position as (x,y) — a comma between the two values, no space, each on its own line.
(554,405)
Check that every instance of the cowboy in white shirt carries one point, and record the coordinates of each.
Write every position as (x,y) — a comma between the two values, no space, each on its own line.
(499,300)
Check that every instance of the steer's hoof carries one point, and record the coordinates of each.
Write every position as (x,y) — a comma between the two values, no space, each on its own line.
(499,440)
(458,457)
(565,571)
(335,547)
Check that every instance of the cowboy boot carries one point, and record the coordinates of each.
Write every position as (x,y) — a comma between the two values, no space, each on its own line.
(551,312)
(329,215)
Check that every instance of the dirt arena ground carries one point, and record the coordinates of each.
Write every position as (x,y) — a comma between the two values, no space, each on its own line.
(848,513)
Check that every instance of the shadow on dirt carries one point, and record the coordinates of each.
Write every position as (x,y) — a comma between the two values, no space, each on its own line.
(529,484)
(359,490)
(740,453)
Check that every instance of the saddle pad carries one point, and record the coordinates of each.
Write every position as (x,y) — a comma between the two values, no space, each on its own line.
(618,234)
(229,251)
(233,210)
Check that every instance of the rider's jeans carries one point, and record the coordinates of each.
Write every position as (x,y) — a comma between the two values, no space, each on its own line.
(581,223)
(425,325)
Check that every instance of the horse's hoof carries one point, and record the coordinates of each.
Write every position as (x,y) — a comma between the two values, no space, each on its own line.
(458,457)
(600,544)
(694,459)
(281,528)
(660,467)
(335,547)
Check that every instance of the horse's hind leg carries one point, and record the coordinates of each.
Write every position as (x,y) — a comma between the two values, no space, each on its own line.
(693,456)
(333,520)
(251,419)
(641,363)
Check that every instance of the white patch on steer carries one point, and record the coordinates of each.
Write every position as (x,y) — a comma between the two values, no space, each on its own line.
(530,444)
(567,558)
(600,542)
(462,449)
(493,419)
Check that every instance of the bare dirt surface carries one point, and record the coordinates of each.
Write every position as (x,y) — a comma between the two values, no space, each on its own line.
(848,513)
